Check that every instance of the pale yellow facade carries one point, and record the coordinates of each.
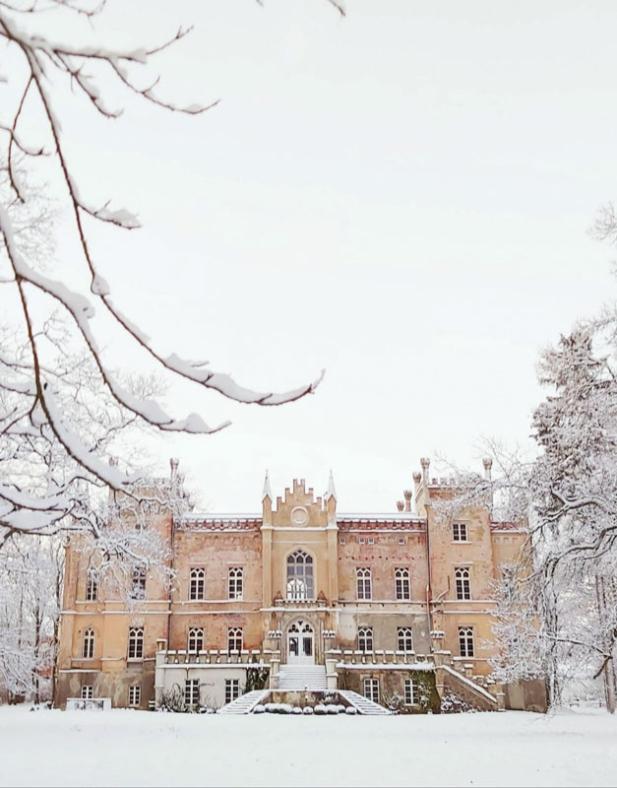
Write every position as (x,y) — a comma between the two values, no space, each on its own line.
(375,598)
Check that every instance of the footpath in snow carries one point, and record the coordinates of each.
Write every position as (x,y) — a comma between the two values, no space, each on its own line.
(53,748)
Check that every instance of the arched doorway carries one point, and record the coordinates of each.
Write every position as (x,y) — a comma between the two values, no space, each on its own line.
(300,644)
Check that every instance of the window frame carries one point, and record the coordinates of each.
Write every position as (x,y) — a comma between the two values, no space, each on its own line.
(88,644)
(404,635)
(235,583)
(92,586)
(300,576)
(364,584)
(460,532)
(374,691)
(410,692)
(134,699)
(235,635)
(366,639)
(402,584)
(198,636)
(87,692)
(192,692)
(138,583)
(466,644)
(232,690)
(136,644)
(462,583)
(197,584)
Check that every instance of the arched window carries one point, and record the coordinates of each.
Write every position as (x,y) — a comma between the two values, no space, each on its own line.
(196,639)
(136,642)
(403,585)
(405,639)
(465,641)
(88,650)
(234,639)
(463,587)
(365,639)
(300,580)
(364,583)
(92,585)
(197,585)
(235,582)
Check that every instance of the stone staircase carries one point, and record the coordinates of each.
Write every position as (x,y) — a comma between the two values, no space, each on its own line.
(302,677)
(245,703)
(362,704)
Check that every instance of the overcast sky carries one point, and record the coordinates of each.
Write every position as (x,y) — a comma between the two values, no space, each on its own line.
(401,197)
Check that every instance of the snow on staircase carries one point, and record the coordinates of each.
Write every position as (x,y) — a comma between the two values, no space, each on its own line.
(362,704)
(245,703)
(302,677)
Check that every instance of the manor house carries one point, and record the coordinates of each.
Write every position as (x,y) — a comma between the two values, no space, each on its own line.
(300,595)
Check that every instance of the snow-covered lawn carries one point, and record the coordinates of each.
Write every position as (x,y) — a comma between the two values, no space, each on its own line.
(145,748)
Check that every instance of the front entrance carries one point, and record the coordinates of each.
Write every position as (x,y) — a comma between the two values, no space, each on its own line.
(300,644)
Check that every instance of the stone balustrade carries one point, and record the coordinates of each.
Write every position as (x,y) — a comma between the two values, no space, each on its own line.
(378,657)
(216,657)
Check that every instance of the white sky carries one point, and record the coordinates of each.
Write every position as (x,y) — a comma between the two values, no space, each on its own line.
(401,197)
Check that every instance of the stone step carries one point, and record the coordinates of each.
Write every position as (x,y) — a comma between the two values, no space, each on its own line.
(300,677)
(245,703)
(362,704)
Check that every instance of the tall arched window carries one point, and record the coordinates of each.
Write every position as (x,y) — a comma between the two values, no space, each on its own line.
(196,639)
(463,587)
(88,650)
(300,580)
(403,586)
(235,581)
(92,585)
(365,639)
(234,639)
(364,583)
(197,585)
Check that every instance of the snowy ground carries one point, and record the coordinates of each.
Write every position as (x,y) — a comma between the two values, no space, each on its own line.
(145,748)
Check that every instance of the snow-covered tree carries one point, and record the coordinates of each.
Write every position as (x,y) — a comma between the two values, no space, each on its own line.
(35,408)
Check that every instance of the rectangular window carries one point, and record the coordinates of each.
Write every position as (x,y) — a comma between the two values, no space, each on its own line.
(195,639)
(411,692)
(235,582)
(405,639)
(87,692)
(463,583)
(197,584)
(371,689)
(364,583)
(136,642)
(232,689)
(134,695)
(403,584)
(465,641)
(191,692)
(459,532)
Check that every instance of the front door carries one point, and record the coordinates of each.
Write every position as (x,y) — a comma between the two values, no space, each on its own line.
(300,644)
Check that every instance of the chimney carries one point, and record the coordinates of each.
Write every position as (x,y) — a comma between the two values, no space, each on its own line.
(400,505)
(426,464)
(407,494)
(488,465)
(174,462)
